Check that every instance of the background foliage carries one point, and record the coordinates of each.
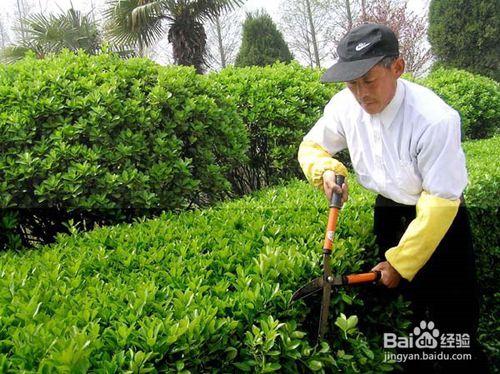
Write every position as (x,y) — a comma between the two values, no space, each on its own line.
(475,97)
(464,34)
(278,104)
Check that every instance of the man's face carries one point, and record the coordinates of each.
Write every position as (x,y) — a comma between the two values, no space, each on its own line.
(375,90)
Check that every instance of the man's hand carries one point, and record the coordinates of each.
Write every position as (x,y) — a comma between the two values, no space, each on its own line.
(329,186)
(390,276)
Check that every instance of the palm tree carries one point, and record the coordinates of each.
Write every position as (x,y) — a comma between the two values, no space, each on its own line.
(50,34)
(140,23)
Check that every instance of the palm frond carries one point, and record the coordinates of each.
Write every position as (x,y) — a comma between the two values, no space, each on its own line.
(52,33)
(209,9)
(134,22)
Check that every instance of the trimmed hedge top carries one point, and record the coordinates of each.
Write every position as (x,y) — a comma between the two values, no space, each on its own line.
(483,190)
(101,132)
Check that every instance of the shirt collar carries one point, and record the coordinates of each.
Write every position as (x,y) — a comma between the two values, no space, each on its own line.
(389,113)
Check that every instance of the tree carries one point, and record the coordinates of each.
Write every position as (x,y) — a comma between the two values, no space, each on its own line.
(344,15)
(262,43)
(464,34)
(305,25)
(141,23)
(45,34)
(4,35)
(223,39)
(22,10)
(409,28)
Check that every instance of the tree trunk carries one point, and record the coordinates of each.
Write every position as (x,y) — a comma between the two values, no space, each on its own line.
(20,10)
(141,49)
(313,34)
(349,15)
(221,46)
(3,35)
(189,41)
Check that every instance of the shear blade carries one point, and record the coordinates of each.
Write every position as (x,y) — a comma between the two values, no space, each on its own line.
(312,287)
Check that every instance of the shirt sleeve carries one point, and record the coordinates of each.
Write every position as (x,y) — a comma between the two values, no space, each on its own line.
(314,161)
(316,149)
(441,160)
(328,132)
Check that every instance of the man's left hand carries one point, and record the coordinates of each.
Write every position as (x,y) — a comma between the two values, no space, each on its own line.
(390,276)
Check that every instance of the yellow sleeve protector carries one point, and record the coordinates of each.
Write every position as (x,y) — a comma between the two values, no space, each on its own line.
(314,161)
(434,217)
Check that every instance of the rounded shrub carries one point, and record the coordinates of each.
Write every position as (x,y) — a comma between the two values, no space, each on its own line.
(278,105)
(98,139)
(475,97)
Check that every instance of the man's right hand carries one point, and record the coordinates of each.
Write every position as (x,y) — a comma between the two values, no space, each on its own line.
(329,186)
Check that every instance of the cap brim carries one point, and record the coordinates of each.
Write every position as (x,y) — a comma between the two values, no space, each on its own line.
(349,70)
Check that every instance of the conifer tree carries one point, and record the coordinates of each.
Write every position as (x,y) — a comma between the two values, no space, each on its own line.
(464,34)
(262,43)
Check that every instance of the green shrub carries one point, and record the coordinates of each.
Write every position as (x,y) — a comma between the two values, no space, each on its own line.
(103,140)
(201,291)
(278,105)
(208,290)
(475,97)
(464,34)
(482,197)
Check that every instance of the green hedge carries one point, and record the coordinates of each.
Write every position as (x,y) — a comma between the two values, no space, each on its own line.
(99,140)
(208,290)
(278,105)
(200,291)
(475,97)
(103,140)
(482,197)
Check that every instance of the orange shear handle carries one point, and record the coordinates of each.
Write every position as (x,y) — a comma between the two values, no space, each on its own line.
(372,276)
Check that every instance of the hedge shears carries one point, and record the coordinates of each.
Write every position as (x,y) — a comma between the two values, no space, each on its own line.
(328,281)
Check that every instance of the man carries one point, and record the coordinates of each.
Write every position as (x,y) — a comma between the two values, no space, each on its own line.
(404,144)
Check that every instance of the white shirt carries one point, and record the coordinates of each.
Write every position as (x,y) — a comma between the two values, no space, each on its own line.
(412,145)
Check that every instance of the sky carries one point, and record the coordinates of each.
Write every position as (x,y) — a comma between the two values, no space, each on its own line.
(53,5)
(8,6)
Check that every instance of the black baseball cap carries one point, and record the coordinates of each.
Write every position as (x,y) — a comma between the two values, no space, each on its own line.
(361,49)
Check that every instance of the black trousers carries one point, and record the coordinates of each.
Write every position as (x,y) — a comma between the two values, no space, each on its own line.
(445,291)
